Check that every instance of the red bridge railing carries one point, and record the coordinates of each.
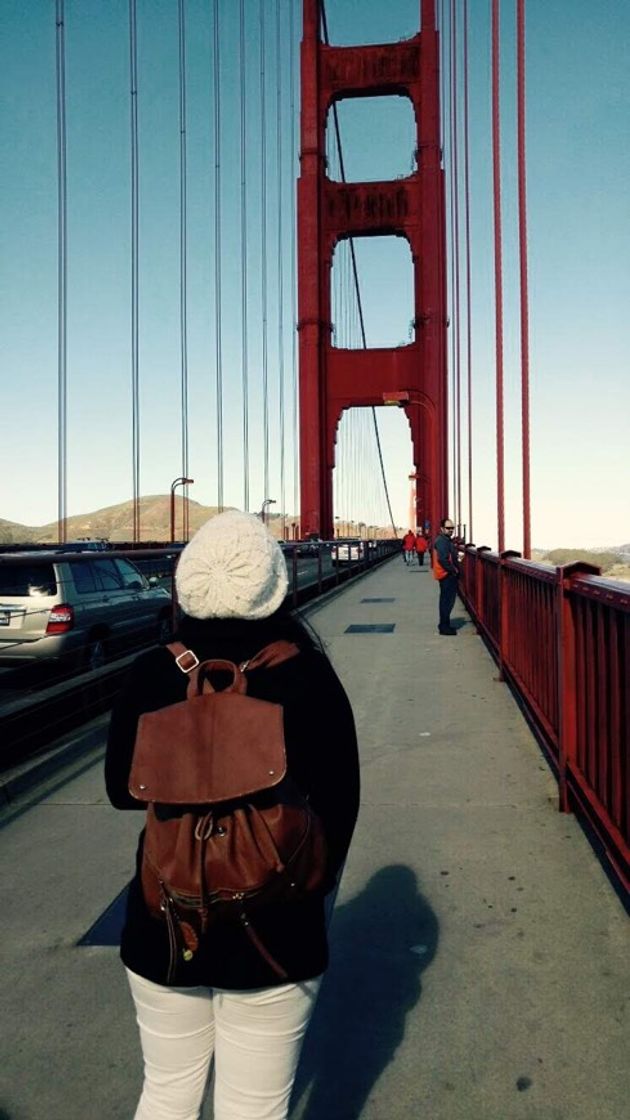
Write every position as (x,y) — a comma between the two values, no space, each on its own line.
(561,638)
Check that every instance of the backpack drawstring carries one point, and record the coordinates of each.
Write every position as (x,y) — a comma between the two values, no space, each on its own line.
(203,832)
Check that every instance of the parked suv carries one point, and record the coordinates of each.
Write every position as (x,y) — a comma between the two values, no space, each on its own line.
(76,610)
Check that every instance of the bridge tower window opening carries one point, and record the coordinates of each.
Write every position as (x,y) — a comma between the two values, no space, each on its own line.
(386,284)
(379,137)
(359,499)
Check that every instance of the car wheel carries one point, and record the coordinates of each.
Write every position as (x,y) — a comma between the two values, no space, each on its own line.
(95,655)
(164,631)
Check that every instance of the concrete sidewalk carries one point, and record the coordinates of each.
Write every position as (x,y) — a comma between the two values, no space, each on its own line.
(480,956)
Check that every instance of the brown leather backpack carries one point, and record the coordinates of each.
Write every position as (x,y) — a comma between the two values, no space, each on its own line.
(227,831)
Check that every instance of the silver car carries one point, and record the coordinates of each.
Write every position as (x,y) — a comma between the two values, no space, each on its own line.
(76,610)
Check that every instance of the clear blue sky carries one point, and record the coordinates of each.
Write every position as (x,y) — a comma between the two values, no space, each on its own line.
(579,225)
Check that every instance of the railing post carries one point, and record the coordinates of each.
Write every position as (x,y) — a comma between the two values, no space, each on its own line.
(567,694)
(505,615)
(467,580)
(479,589)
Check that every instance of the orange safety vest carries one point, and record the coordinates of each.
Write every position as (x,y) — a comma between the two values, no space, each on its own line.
(438,571)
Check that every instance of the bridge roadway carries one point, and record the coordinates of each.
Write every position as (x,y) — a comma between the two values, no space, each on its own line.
(480,955)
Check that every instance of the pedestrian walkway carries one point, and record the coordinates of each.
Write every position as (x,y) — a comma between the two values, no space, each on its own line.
(480,955)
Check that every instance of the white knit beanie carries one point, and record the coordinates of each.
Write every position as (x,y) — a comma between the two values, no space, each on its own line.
(232,568)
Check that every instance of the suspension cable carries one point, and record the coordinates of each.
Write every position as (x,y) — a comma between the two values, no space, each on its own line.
(217,251)
(135,377)
(263,251)
(62,281)
(456,307)
(356,284)
(183,316)
(294,383)
(498,270)
(442,77)
(453,419)
(522,231)
(244,309)
(280,275)
(468,296)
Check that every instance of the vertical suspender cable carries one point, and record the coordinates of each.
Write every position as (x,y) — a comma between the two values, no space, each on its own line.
(457,320)
(183,333)
(294,385)
(443,141)
(442,71)
(244,318)
(468,299)
(135,383)
(498,271)
(453,315)
(283,497)
(217,252)
(522,236)
(62,280)
(263,251)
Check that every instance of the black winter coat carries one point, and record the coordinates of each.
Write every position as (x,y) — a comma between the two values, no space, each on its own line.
(322,759)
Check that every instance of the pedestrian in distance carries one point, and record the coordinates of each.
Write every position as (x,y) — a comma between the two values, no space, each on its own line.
(230,978)
(446,570)
(421,545)
(409,546)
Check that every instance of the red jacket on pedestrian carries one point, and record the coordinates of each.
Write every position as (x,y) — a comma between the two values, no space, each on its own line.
(421,543)
(409,541)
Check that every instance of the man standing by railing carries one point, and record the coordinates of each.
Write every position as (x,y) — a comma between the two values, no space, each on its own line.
(446,570)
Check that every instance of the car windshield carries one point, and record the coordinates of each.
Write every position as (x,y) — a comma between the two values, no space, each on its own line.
(27,579)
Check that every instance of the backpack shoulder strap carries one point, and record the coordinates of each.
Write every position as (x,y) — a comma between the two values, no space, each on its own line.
(273,654)
(188,663)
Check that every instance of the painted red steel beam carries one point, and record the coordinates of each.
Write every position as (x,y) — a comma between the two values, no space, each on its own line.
(470,534)
(456,326)
(524,302)
(498,271)
(333,379)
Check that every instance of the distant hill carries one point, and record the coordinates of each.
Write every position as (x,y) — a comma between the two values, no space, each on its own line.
(615,564)
(115,523)
(11,532)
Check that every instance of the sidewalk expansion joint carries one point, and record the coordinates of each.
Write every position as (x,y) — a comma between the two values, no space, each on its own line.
(370,628)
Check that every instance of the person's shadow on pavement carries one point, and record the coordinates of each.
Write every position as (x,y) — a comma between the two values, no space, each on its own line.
(381,942)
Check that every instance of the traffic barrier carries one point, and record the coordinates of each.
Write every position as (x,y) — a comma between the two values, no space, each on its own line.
(32,721)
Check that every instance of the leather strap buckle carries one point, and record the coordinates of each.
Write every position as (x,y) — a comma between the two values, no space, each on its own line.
(187,668)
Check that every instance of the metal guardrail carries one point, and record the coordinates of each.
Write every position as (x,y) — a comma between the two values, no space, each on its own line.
(561,638)
(31,721)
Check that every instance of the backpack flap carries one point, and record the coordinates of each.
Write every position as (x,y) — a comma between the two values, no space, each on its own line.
(215,747)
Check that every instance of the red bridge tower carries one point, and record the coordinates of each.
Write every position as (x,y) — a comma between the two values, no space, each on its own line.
(414,376)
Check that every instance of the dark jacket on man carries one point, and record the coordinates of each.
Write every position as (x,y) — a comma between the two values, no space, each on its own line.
(446,550)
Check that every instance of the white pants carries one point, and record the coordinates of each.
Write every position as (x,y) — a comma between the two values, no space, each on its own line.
(255,1037)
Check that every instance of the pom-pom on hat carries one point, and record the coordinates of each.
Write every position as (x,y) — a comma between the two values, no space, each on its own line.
(232,568)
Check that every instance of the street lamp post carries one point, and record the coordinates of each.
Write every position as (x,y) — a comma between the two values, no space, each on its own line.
(263,509)
(174,484)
